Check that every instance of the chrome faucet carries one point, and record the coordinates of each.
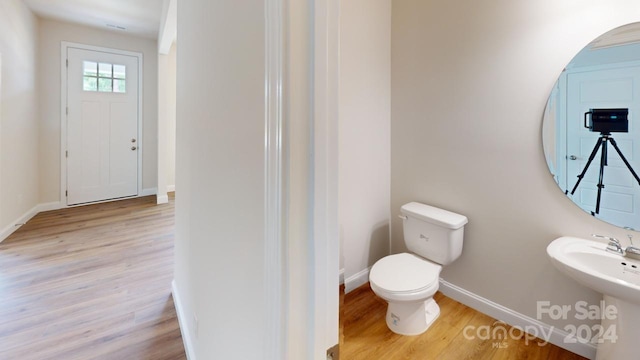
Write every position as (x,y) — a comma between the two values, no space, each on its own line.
(632,251)
(614,244)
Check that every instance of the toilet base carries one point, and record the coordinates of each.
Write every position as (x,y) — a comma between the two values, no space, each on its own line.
(412,318)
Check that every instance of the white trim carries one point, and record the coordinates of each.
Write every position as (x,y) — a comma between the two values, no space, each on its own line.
(103,201)
(312,171)
(2,237)
(15,225)
(49,206)
(64,46)
(63,122)
(356,280)
(148,192)
(186,335)
(171,188)
(162,199)
(589,68)
(341,276)
(325,230)
(514,318)
(168,26)
(276,262)
(561,131)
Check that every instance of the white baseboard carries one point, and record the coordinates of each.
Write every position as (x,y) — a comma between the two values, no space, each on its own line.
(15,225)
(162,199)
(56,205)
(341,276)
(513,318)
(148,192)
(186,336)
(355,281)
(171,188)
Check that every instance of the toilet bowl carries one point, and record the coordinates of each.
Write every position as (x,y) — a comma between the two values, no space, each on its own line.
(408,281)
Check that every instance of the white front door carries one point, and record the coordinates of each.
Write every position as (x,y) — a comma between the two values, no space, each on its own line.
(607,88)
(102,126)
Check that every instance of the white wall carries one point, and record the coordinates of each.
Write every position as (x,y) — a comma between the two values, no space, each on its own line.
(220,215)
(469,84)
(166,122)
(19,145)
(364,132)
(52,33)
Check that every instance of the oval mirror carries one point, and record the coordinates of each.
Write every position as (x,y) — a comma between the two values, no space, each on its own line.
(591,128)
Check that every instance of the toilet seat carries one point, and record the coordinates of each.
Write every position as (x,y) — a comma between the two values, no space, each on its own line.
(404,277)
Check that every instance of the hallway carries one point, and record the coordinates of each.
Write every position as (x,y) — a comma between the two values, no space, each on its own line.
(91,282)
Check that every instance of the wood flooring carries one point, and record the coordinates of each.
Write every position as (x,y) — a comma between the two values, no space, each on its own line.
(364,335)
(94,282)
(91,282)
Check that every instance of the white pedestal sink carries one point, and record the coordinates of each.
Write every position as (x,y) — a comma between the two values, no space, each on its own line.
(617,278)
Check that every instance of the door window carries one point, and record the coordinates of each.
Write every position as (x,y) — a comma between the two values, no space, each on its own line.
(104,77)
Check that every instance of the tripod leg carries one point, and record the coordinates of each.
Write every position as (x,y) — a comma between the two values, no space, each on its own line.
(615,146)
(586,167)
(603,163)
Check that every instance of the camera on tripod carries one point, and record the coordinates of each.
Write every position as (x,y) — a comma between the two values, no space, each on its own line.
(606,121)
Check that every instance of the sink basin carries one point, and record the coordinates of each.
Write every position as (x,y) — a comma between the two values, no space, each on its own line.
(589,263)
(618,279)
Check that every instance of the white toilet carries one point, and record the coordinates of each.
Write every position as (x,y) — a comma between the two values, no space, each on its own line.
(408,281)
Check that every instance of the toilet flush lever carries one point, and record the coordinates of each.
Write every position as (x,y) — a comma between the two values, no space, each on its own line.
(403,217)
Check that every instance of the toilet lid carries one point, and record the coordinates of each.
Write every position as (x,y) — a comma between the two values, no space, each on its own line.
(404,273)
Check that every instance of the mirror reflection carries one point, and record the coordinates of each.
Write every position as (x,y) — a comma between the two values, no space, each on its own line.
(591,129)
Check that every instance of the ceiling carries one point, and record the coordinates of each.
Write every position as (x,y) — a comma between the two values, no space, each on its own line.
(134,17)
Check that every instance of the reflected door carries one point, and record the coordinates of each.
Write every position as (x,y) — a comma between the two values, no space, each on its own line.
(102,126)
(604,88)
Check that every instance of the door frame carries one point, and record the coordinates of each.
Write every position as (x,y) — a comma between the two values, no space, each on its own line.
(302,312)
(312,323)
(64,46)
(326,243)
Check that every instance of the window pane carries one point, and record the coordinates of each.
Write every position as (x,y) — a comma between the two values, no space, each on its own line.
(90,68)
(119,86)
(119,72)
(104,70)
(104,85)
(90,83)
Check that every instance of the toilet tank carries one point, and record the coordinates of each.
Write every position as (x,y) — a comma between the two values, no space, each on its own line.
(433,233)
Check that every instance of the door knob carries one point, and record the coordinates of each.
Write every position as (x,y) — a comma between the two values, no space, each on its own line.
(573,157)
(133,148)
